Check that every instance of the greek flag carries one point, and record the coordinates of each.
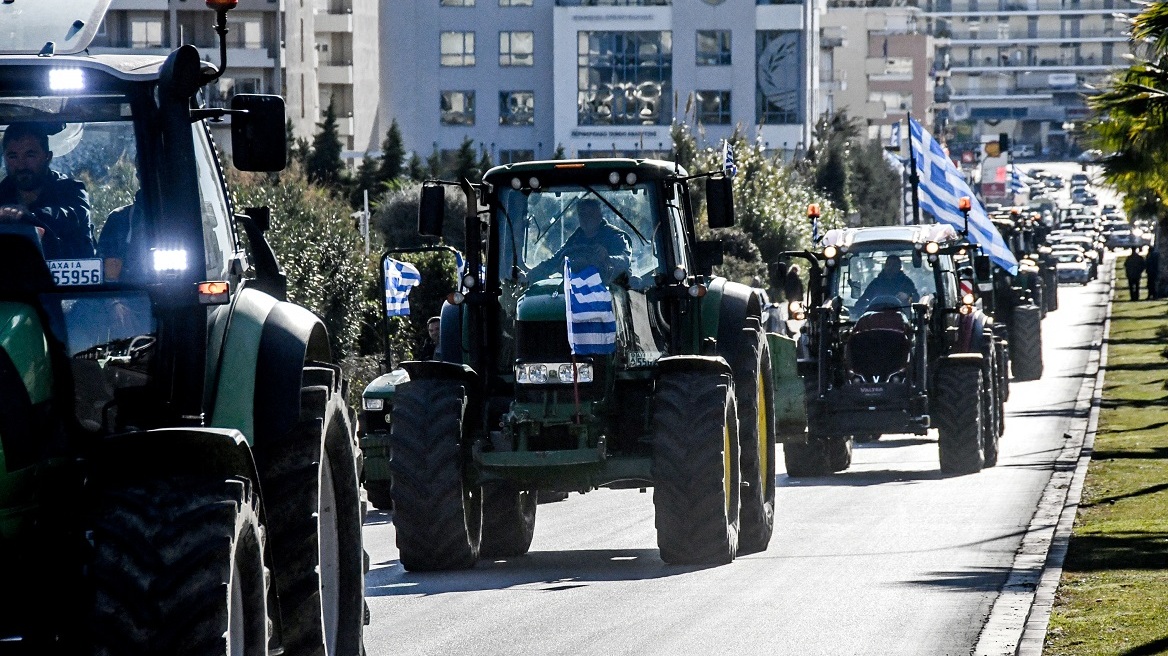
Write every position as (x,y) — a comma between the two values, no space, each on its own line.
(894,138)
(729,166)
(591,319)
(940,187)
(400,277)
(1015,179)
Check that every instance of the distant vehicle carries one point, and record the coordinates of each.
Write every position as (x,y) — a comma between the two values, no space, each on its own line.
(1024,150)
(1072,267)
(1079,179)
(1125,238)
(1089,156)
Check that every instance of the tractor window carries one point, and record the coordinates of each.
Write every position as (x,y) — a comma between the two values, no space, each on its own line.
(218,240)
(620,234)
(863,275)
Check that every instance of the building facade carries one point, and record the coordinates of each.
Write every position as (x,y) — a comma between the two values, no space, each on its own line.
(520,78)
(310,51)
(1022,67)
(877,63)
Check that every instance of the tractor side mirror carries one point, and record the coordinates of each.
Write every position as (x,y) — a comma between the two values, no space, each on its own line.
(259,140)
(432,211)
(981,267)
(707,255)
(720,202)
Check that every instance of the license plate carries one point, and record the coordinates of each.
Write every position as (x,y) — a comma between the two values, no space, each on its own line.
(75,273)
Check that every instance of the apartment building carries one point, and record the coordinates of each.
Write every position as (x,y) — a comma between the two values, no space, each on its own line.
(877,63)
(598,77)
(310,51)
(1023,66)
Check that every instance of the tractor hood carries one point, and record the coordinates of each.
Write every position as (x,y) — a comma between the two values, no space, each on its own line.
(543,301)
(28,27)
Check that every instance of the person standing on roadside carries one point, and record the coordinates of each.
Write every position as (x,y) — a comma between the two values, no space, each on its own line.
(1153,264)
(1134,266)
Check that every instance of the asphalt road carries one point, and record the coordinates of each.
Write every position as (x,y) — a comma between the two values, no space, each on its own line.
(888,557)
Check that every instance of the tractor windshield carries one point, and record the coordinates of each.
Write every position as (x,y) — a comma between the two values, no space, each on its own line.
(615,230)
(885,276)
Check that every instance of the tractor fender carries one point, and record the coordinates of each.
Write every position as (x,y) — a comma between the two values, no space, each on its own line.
(739,304)
(450,345)
(684,363)
(266,345)
(971,332)
(961,360)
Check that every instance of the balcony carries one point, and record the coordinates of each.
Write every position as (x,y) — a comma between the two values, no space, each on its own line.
(1041,37)
(834,81)
(335,74)
(1066,65)
(331,22)
(1031,7)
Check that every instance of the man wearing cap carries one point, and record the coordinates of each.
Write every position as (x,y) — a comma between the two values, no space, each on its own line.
(33,193)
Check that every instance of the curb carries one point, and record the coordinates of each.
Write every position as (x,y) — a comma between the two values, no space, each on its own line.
(1020,615)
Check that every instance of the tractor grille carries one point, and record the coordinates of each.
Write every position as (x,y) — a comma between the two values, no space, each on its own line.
(545,341)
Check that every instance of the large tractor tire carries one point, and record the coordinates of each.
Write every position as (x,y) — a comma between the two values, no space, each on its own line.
(508,520)
(1050,277)
(437,514)
(839,453)
(754,390)
(819,456)
(696,468)
(991,407)
(178,568)
(313,499)
(959,417)
(1026,343)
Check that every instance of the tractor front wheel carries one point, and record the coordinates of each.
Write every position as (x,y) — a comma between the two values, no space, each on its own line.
(437,513)
(1026,343)
(508,520)
(754,391)
(696,475)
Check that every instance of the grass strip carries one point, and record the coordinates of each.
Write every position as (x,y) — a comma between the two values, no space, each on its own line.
(1113,596)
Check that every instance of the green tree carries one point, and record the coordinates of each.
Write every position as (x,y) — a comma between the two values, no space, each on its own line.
(396,217)
(485,164)
(434,165)
(416,168)
(321,252)
(835,135)
(559,152)
(876,186)
(367,179)
(465,162)
(392,154)
(324,165)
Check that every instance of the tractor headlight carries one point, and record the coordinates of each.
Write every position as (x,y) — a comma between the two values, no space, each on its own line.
(373,404)
(830,252)
(932,248)
(529,373)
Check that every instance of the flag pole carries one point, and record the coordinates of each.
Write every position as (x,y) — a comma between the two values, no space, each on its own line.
(913,178)
(576,386)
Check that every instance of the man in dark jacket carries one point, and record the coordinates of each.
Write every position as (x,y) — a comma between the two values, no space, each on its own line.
(1153,264)
(891,281)
(1134,266)
(33,193)
(596,242)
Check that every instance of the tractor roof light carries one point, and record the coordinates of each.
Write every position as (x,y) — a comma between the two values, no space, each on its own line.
(533,182)
(66,79)
(170,260)
(830,252)
(964,204)
(630,178)
(813,211)
(222,5)
(614,178)
(516,184)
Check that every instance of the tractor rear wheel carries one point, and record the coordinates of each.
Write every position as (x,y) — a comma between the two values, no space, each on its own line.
(178,568)
(989,412)
(839,453)
(437,513)
(313,499)
(508,520)
(754,390)
(959,416)
(696,475)
(1026,343)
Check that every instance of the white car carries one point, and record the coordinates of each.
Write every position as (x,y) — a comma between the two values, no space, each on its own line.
(1072,267)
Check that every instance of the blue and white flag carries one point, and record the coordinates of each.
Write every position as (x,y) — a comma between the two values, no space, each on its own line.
(729,166)
(940,187)
(1015,179)
(591,319)
(894,138)
(400,278)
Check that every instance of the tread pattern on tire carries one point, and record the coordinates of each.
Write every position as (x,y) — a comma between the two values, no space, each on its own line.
(809,458)
(164,553)
(691,412)
(1026,343)
(957,410)
(436,528)
(291,472)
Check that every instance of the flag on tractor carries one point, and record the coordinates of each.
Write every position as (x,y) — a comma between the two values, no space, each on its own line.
(591,319)
(942,185)
(400,278)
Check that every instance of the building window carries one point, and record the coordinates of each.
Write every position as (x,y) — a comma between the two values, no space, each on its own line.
(611,3)
(458,108)
(779,77)
(516,48)
(516,108)
(245,34)
(458,48)
(513,156)
(713,107)
(146,33)
(624,78)
(219,94)
(456,3)
(514,3)
(713,48)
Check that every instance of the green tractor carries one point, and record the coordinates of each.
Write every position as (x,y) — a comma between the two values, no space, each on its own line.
(650,372)
(178,467)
